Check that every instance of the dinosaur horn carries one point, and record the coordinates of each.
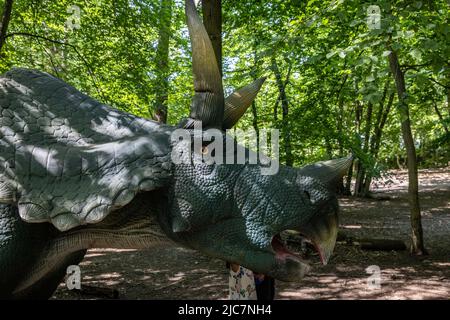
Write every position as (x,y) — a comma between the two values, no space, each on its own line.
(237,103)
(208,102)
(329,172)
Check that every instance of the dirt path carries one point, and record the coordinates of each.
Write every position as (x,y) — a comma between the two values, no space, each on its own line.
(177,273)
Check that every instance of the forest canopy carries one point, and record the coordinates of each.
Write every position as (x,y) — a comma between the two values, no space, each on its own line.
(329,88)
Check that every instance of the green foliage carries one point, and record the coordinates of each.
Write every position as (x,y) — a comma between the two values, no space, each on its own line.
(332,63)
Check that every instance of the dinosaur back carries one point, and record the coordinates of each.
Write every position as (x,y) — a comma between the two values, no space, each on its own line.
(68,159)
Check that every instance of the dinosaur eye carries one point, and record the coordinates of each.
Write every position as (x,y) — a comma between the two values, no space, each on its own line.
(204,150)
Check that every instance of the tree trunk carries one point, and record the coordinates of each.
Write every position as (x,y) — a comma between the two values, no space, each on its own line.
(6,17)
(417,247)
(285,110)
(254,109)
(381,119)
(255,124)
(340,115)
(162,61)
(375,148)
(400,165)
(448,101)
(212,19)
(340,120)
(348,181)
(358,117)
(275,110)
(361,174)
(441,118)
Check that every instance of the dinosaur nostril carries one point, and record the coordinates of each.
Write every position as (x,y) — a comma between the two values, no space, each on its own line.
(307,195)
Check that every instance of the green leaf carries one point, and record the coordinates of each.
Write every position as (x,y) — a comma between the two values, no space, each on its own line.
(330,54)
(396,46)
(430,44)
(416,54)
(355,22)
(370,78)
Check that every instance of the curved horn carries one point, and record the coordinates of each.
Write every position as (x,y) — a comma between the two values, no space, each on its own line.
(329,172)
(208,101)
(238,102)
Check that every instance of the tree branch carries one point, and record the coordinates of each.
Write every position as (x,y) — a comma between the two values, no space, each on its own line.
(438,83)
(26,34)
(407,67)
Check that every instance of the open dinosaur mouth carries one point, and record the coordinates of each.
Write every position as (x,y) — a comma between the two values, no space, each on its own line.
(319,235)
(299,248)
(280,248)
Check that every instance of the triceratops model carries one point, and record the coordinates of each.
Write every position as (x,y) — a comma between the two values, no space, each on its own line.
(77,174)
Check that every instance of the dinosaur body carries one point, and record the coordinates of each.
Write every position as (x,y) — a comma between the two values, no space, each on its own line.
(69,161)
(77,174)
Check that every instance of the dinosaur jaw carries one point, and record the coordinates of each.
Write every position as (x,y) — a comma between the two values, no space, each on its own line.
(288,265)
(321,233)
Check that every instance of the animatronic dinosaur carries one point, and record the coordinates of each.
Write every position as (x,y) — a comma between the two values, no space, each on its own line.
(77,174)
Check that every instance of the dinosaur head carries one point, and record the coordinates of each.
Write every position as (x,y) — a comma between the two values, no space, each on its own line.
(236,213)
(233,210)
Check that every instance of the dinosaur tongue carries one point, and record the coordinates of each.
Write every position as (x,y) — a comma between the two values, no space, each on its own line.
(291,246)
(279,247)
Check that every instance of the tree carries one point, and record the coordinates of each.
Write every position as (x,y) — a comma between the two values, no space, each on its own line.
(6,17)
(282,97)
(162,71)
(418,247)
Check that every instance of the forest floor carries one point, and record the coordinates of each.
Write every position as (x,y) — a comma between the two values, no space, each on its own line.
(177,273)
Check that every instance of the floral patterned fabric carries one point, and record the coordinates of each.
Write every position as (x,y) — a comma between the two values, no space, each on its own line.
(242,285)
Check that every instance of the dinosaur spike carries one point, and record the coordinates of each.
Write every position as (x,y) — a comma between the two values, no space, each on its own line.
(237,103)
(123,197)
(65,221)
(208,101)
(7,192)
(97,214)
(329,171)
(32,212)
